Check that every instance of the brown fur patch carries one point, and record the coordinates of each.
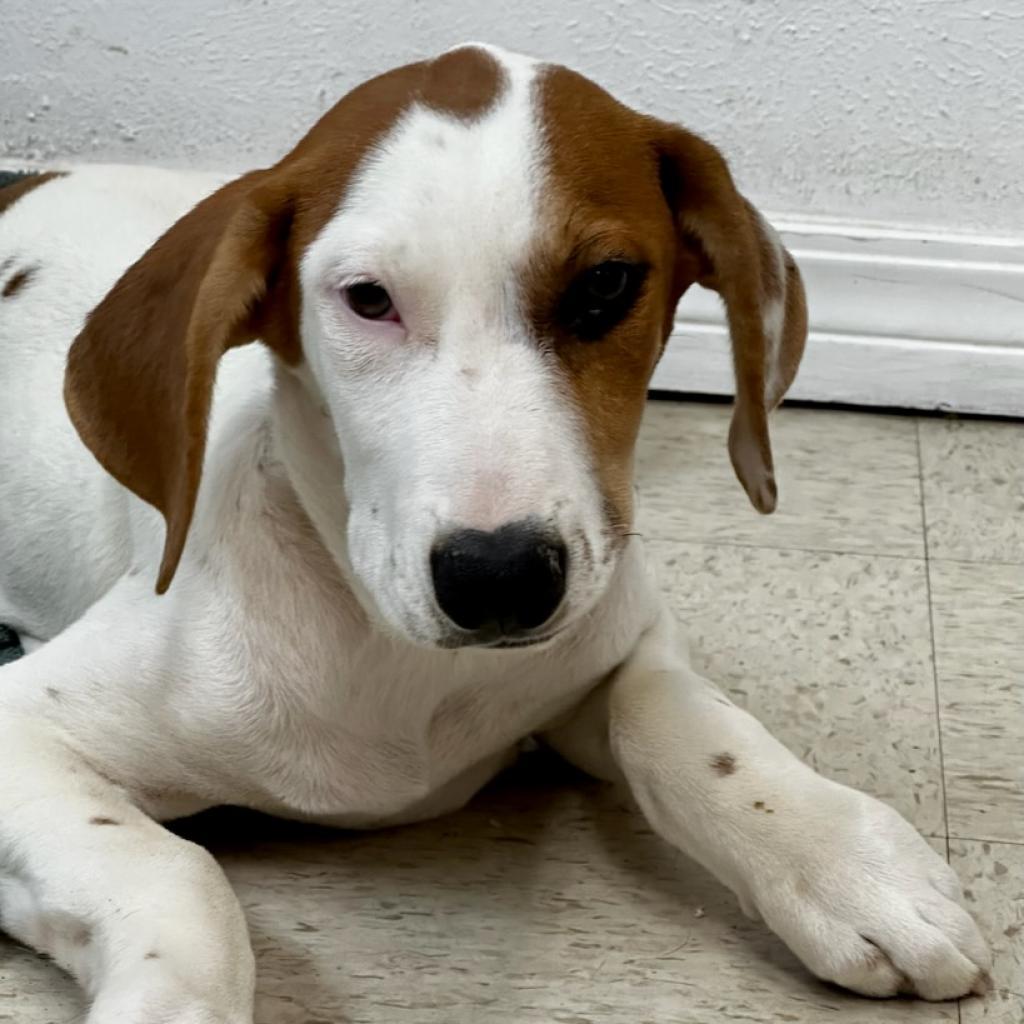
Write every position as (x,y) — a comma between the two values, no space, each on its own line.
(152,955)
(463,83)
(140,374)
(100,820)
(17,281)
(723,764)
(603,200)
(621,184)
(12,193)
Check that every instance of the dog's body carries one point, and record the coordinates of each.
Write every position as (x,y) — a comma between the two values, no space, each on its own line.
(310,659)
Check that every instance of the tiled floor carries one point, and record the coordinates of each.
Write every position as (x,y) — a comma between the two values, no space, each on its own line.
(876,622)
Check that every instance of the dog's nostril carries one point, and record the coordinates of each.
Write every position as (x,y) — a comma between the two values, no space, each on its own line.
(508,580)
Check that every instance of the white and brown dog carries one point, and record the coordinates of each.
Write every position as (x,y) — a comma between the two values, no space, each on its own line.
(411,547)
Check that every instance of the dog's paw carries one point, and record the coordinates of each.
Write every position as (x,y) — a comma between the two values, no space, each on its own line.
(866,903)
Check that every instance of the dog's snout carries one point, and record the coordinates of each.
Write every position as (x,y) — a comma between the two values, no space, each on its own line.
(502,582)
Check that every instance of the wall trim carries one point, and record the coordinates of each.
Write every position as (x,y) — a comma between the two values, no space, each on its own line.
(900,317)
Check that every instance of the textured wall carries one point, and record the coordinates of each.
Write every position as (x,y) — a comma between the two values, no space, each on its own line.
(877,109)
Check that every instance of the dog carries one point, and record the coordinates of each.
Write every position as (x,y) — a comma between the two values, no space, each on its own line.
(396,536)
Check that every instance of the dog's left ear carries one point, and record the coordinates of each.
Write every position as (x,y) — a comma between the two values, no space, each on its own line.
(726,245)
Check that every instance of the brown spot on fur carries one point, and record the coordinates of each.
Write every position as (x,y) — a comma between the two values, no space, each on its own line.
(103,821)
(983,983)
(53,693)
(464,83)
(152,955)
(723,764)
(759,805)
(17,281)
(12,193)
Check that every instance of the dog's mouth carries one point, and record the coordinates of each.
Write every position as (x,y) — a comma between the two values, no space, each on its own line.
(518,643)
(497,641)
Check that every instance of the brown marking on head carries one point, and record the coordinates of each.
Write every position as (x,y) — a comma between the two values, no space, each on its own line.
(10,194)
(602,200)
(102,820)
(622,185)
(152,955)
(463,83)
(140,374)
(17,281)
(723,764)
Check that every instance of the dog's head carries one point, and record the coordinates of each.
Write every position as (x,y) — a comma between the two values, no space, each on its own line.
(473,265)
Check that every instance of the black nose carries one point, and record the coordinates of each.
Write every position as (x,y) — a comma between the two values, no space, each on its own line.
(502,582)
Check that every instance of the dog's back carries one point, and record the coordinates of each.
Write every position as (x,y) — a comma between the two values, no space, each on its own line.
(64,240)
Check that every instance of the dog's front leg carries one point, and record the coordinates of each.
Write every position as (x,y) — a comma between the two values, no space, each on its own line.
(145,921)
(854,891)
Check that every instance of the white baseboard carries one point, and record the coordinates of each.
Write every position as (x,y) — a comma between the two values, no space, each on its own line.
(898,318)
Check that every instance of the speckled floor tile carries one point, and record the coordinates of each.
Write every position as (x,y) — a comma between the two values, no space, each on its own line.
(548,901)
(993,878)
(832,652)
(979,648)
(847,481)
(973,473)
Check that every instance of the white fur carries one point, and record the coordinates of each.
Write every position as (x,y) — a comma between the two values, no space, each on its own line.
(286,669)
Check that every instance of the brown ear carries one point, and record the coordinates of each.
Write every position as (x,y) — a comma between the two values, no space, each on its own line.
(726,245)
(140,374)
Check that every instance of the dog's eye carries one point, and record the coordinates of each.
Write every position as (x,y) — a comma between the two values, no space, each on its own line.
(607,281)
(600,297)
(370,301)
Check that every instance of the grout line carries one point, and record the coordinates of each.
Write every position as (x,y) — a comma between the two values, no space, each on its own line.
(935,660)
(978,839)
(1000,563)
(931,631)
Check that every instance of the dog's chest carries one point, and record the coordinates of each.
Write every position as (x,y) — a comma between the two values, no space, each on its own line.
(400,741)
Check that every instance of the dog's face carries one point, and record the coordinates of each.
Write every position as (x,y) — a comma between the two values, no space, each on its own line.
(473,264)
(482,327)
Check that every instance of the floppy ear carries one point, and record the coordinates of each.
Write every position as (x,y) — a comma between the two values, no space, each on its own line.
(140,374)
(726,245)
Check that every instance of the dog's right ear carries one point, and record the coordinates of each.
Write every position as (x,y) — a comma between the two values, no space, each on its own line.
(140,374)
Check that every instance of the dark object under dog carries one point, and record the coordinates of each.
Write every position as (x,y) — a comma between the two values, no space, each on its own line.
(10,646)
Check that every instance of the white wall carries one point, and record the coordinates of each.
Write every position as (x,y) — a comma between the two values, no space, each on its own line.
(893,110)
